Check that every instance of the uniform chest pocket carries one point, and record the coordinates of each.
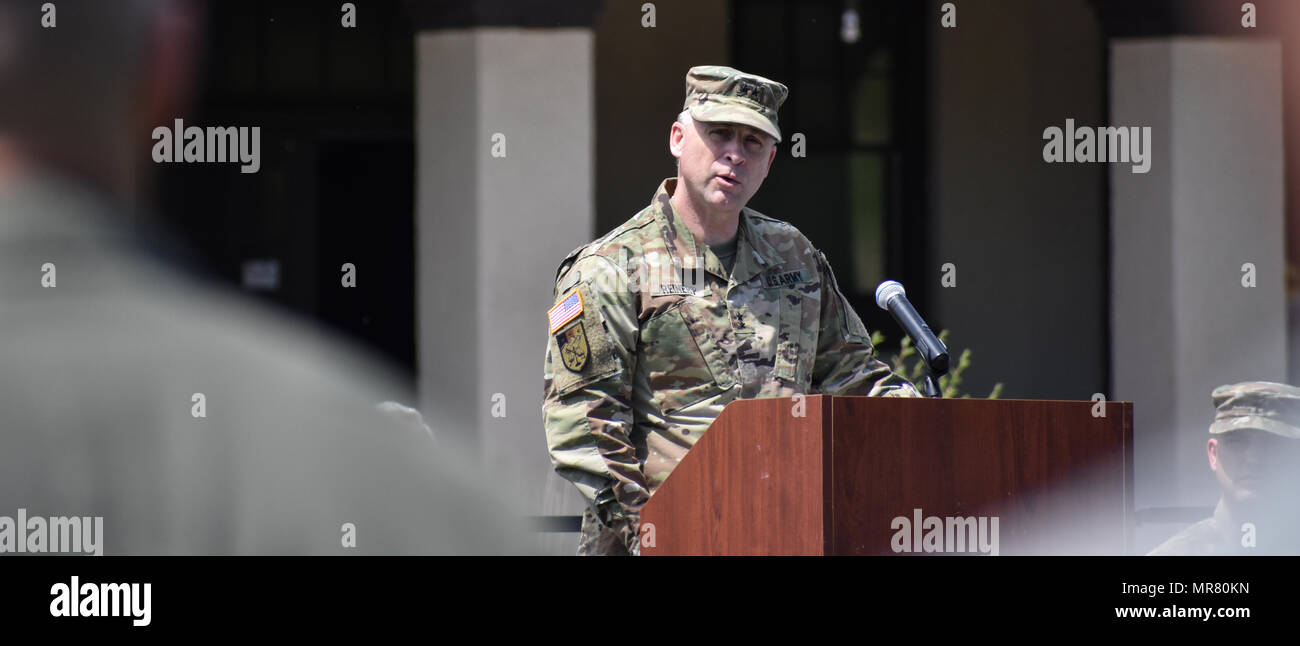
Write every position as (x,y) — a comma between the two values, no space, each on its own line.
(796,335)
(681,354)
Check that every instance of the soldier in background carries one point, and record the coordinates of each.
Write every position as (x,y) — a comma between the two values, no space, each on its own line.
(1254,450)
(693,303)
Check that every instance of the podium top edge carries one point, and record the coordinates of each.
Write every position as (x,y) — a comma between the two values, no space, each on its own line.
(973,399)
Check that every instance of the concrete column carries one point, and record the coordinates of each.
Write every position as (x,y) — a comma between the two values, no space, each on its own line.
(1182,321)
(491,231)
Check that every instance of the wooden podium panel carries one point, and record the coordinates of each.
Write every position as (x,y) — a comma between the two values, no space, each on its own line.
(841,478)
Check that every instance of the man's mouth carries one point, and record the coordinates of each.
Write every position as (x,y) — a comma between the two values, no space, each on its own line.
(728,181)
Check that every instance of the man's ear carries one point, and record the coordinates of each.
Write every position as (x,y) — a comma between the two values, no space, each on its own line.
(771,157)
(1212,450)
(676,134)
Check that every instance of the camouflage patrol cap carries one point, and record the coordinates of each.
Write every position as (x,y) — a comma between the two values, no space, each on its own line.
(1261,405)
(716,93)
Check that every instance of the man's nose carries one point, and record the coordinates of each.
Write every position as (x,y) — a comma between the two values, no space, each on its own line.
(735,154)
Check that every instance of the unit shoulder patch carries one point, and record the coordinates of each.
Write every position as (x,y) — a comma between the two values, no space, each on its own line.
(579,348)
(574,350)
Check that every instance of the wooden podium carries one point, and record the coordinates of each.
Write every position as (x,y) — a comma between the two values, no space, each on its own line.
(843,477)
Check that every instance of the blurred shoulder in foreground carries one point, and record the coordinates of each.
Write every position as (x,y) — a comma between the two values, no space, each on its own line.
(195,422)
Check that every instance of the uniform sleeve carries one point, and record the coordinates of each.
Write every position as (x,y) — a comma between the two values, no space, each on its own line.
(587,410)
(845,363)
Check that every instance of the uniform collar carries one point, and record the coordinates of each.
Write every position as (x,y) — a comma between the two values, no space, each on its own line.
(1223,525)
(754,255)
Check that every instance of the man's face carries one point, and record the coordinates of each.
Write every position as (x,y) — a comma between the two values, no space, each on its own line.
(721,164)
(1254,467)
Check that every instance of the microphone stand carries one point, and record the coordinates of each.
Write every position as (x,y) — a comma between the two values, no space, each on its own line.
(930,387)
(936,365)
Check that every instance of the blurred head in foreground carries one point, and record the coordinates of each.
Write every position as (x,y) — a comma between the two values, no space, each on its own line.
(172,417)
(82,95)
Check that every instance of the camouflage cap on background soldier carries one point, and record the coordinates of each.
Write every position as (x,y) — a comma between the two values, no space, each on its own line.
(1261,405)
(724,94)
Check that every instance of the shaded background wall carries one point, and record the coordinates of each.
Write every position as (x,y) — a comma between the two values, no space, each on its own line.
(1028,239)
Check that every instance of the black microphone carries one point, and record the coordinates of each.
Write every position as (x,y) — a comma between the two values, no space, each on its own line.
(891,296)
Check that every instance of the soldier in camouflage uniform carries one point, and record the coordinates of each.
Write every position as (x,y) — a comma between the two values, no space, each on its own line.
(693,303)
(1253,451)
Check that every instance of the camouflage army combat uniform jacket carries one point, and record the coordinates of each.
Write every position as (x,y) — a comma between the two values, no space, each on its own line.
(1220,535)
(1210,537)
(650,338)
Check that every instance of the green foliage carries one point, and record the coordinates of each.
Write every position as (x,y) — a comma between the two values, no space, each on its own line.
(915,372)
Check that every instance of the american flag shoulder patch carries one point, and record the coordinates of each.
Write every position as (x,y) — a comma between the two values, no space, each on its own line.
(565,310)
